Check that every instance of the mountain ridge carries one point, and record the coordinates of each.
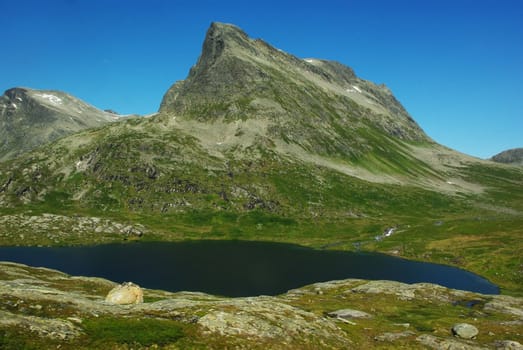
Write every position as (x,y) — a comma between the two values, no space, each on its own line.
(30,118)
(512,156)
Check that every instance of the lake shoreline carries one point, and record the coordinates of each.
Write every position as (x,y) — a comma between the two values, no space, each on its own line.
(248,261)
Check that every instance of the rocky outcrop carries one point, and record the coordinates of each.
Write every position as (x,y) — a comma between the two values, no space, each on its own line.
(268,318)
(125,293)
(43,327)
(505,304)
(508,345)
(48,306)
(393,336)
(439,343)
(52,228)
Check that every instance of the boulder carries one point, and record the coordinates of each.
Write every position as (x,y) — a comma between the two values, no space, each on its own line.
(464,330)
(125,293)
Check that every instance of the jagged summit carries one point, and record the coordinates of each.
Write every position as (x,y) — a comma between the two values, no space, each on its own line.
(224,66)
(220,37)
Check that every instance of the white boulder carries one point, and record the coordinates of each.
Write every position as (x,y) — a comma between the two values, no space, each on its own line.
(125,293)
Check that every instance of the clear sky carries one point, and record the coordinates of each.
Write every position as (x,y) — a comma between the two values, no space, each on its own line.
(456,65)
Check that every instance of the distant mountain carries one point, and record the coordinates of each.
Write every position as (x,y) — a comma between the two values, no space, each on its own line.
(30,118)
(512,156)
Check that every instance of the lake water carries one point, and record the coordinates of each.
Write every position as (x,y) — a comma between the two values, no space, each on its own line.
(236,268)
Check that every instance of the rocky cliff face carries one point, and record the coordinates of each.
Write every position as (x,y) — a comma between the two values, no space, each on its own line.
(30,118)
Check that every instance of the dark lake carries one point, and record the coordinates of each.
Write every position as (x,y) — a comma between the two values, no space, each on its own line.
(236,268)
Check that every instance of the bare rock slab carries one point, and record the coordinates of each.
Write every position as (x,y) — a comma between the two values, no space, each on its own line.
(391,337)
(508,345)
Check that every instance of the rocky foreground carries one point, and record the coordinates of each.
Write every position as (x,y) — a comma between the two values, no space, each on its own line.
(43,308)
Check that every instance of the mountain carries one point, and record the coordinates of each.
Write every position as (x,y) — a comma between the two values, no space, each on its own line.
(258,144)
(243,94)
(512,156)
(319,106)
(30,118)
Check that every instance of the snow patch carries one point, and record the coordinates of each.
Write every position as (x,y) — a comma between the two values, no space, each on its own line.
(14,105)
(19,99)
(51,98)
(309,60)
(354,88)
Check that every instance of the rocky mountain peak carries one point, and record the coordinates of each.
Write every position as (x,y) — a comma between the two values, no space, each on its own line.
(238,78)
(220,37)
(13,93)
(222,66)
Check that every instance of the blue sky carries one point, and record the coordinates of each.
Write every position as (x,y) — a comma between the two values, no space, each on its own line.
(456,65)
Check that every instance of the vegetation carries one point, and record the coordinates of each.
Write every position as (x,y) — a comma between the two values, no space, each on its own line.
(107,332)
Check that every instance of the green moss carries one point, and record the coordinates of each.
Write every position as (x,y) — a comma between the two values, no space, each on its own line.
(132,331)
(12,338)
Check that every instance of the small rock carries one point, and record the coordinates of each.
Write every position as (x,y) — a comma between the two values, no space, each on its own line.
(125,293)
(406,325)
(349,313)
(464,330)
(75,319)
